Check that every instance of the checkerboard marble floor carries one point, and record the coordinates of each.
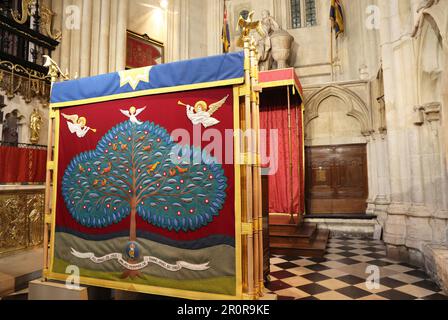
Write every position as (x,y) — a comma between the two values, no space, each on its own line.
(341,275)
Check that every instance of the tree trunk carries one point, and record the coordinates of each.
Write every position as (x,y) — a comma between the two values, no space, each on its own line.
(133,238)
(133,225)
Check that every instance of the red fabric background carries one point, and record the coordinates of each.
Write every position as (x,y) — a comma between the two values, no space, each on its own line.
(164,111)
(274,115)
(22,165)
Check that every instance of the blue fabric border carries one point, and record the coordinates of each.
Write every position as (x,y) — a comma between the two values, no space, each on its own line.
(203,70)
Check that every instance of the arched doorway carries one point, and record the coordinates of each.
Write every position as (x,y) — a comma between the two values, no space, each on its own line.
(336,126)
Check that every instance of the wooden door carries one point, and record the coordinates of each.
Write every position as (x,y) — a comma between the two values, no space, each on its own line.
(336,179)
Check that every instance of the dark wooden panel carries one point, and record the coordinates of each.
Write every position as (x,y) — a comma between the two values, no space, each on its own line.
(265,209)
(337,180)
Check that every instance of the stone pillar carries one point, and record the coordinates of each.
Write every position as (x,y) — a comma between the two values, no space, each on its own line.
(281,13)
(417,195)
(56,6)
(95,40)
(372,172)
(173,33)
(75,43)
(184,34)
(86,33)
(64,58)
(103,53)
(113,35)
(395,226)
(215,20)
(382,200)
(122,23)
(98,44)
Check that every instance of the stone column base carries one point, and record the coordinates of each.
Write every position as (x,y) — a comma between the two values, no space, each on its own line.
(436,264)
(42,290)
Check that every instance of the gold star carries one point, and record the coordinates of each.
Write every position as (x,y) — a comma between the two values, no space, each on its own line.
(134,76)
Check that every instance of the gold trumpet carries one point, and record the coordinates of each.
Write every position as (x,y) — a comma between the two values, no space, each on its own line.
(182,104)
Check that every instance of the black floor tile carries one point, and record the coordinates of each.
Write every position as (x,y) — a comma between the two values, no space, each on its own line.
(429,285)
(375,255)
(348,261)
(281,298)
(396,295)
(317,260)
(282,274)
(347,248)
(380,263)
(313,289)
(316,277)
(418,273)
(436,296)
(352,280)
(310,298)
(290,258)
(391,283)
(318,267)
(354,292)
(286,265)
(348,254)
(277,285)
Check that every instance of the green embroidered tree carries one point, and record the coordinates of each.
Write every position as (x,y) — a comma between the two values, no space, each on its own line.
(135,171)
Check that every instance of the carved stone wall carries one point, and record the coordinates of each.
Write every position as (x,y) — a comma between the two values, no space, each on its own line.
(414,69)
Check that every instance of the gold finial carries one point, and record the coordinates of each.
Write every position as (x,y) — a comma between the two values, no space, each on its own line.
(22,16)
(247,25)
(54,72)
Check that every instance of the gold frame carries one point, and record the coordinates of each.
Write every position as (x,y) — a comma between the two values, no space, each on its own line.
(148,40)
(248,233)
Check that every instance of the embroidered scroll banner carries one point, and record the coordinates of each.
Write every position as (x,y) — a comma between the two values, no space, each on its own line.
(139,266)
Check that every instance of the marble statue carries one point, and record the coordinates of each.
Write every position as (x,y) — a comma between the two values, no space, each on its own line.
(273,43)
(264,45)
(35,126)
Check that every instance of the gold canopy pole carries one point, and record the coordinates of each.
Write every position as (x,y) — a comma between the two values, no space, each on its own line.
(252,162)
(296,107)
(291,171)
(54,72)
(47,219)
(249,284)
(256,174)
(257,185)
(251,187)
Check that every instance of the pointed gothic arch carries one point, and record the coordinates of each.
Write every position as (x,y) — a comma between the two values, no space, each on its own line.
(358,109)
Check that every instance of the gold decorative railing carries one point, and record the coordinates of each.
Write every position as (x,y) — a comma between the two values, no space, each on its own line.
(21,219)
(29,84)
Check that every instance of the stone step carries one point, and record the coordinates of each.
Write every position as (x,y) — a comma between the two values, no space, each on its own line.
(316,248)
(304,231)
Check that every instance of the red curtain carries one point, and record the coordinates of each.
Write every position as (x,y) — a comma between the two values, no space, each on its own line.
(22,165)
(274,118)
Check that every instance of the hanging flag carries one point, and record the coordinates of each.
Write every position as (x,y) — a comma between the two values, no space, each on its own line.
(337,17)
(225,32)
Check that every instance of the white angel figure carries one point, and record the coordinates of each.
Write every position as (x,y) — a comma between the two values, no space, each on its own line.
(77,125)
(202,114)
(132,114)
